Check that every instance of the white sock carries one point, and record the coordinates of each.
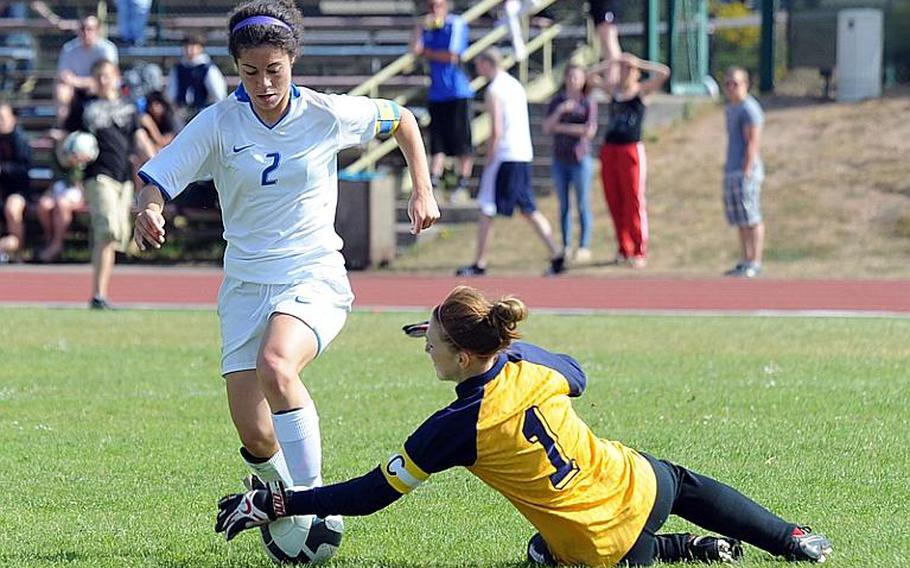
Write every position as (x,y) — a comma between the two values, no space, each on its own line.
(274,469)
(298,435)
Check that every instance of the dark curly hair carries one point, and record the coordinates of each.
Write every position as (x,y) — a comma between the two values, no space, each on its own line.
(256,35)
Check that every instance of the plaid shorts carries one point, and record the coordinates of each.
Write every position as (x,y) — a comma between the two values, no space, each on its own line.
(742,197)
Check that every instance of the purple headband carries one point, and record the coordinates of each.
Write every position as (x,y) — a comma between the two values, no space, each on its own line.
(259,20)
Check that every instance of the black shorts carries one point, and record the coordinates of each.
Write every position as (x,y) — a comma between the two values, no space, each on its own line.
(605,11)
(513,187)
(21,185)
(450,128)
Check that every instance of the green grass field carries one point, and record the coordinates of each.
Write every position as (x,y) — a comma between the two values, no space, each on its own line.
(115,442)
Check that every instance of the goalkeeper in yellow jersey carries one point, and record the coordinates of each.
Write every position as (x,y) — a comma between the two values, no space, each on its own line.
(593,502)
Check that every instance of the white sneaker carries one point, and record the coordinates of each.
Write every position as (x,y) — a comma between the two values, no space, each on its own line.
(582,256)
(460,195)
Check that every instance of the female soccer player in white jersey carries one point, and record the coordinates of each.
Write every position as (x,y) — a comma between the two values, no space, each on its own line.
(271,149)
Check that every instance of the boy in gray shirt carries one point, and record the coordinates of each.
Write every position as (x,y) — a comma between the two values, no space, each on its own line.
(744,172)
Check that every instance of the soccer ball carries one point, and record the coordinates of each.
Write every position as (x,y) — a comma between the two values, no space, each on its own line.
(302,539)
(78,148)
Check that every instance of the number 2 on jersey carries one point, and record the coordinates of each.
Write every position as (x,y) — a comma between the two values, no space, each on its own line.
(537,431)
(276,157)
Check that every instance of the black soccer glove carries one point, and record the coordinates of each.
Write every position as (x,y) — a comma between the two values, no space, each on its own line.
(416,329)
(257,507)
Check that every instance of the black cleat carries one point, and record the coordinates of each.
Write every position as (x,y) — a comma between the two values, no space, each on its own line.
(714,549)
(472,270)
(806,546)
(557,266)
(99,303)
(539,553)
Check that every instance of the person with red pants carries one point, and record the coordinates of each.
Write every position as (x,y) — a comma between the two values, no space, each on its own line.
(623,166)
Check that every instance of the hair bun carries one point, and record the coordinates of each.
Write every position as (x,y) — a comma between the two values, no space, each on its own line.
(506,313)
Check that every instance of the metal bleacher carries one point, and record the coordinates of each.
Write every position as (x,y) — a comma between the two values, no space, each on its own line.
(347,45)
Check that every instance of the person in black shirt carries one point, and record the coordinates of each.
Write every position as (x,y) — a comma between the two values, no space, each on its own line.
(15,189)
(108,180)
(623,166)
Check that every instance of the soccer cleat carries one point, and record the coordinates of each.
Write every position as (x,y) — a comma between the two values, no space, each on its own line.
(806,546)
(538,552)
(472,270)
(714,549)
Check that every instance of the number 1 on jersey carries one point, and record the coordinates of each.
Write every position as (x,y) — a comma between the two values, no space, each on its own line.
(276,157)
(537,431)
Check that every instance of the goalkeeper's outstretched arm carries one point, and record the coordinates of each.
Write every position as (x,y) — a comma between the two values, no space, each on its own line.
(357,497)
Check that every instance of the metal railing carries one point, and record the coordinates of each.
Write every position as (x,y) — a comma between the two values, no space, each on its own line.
(406,62)
(480,125)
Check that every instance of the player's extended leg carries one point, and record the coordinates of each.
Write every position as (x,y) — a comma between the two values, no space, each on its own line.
(718,507)
(287,347)
(252,418)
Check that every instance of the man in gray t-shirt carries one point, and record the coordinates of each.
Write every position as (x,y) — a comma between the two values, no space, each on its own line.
(74,66)
(744,172)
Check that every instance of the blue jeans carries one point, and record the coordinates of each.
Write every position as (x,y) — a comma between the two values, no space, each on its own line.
(132,16)
(579,176)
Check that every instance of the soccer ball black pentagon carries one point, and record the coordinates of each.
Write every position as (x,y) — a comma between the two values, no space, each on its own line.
(302,539)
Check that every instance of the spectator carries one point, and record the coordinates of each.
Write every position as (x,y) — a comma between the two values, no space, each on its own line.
(441,38)
(605,15)
(572,120)
(744,172)
(108,185)
(132,16)
(506,180)
(195,82)
(140,80)
(55,212)
(15,189)
(77,58)
(21,43)
(623,166)
(158,126)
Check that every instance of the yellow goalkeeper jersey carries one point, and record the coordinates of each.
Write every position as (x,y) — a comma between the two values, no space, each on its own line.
(514,428)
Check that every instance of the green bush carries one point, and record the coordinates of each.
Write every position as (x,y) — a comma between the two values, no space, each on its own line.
(738,46)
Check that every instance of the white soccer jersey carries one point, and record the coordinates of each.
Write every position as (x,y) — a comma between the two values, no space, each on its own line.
(515,143)
(278,185)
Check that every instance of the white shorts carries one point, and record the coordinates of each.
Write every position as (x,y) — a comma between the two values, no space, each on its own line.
(486,194)
(71,193)
(245,308)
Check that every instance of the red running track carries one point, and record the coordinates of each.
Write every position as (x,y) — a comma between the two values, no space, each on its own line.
(175,287)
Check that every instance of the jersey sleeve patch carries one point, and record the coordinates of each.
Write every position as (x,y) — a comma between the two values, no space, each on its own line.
(402,473)
(388,117)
